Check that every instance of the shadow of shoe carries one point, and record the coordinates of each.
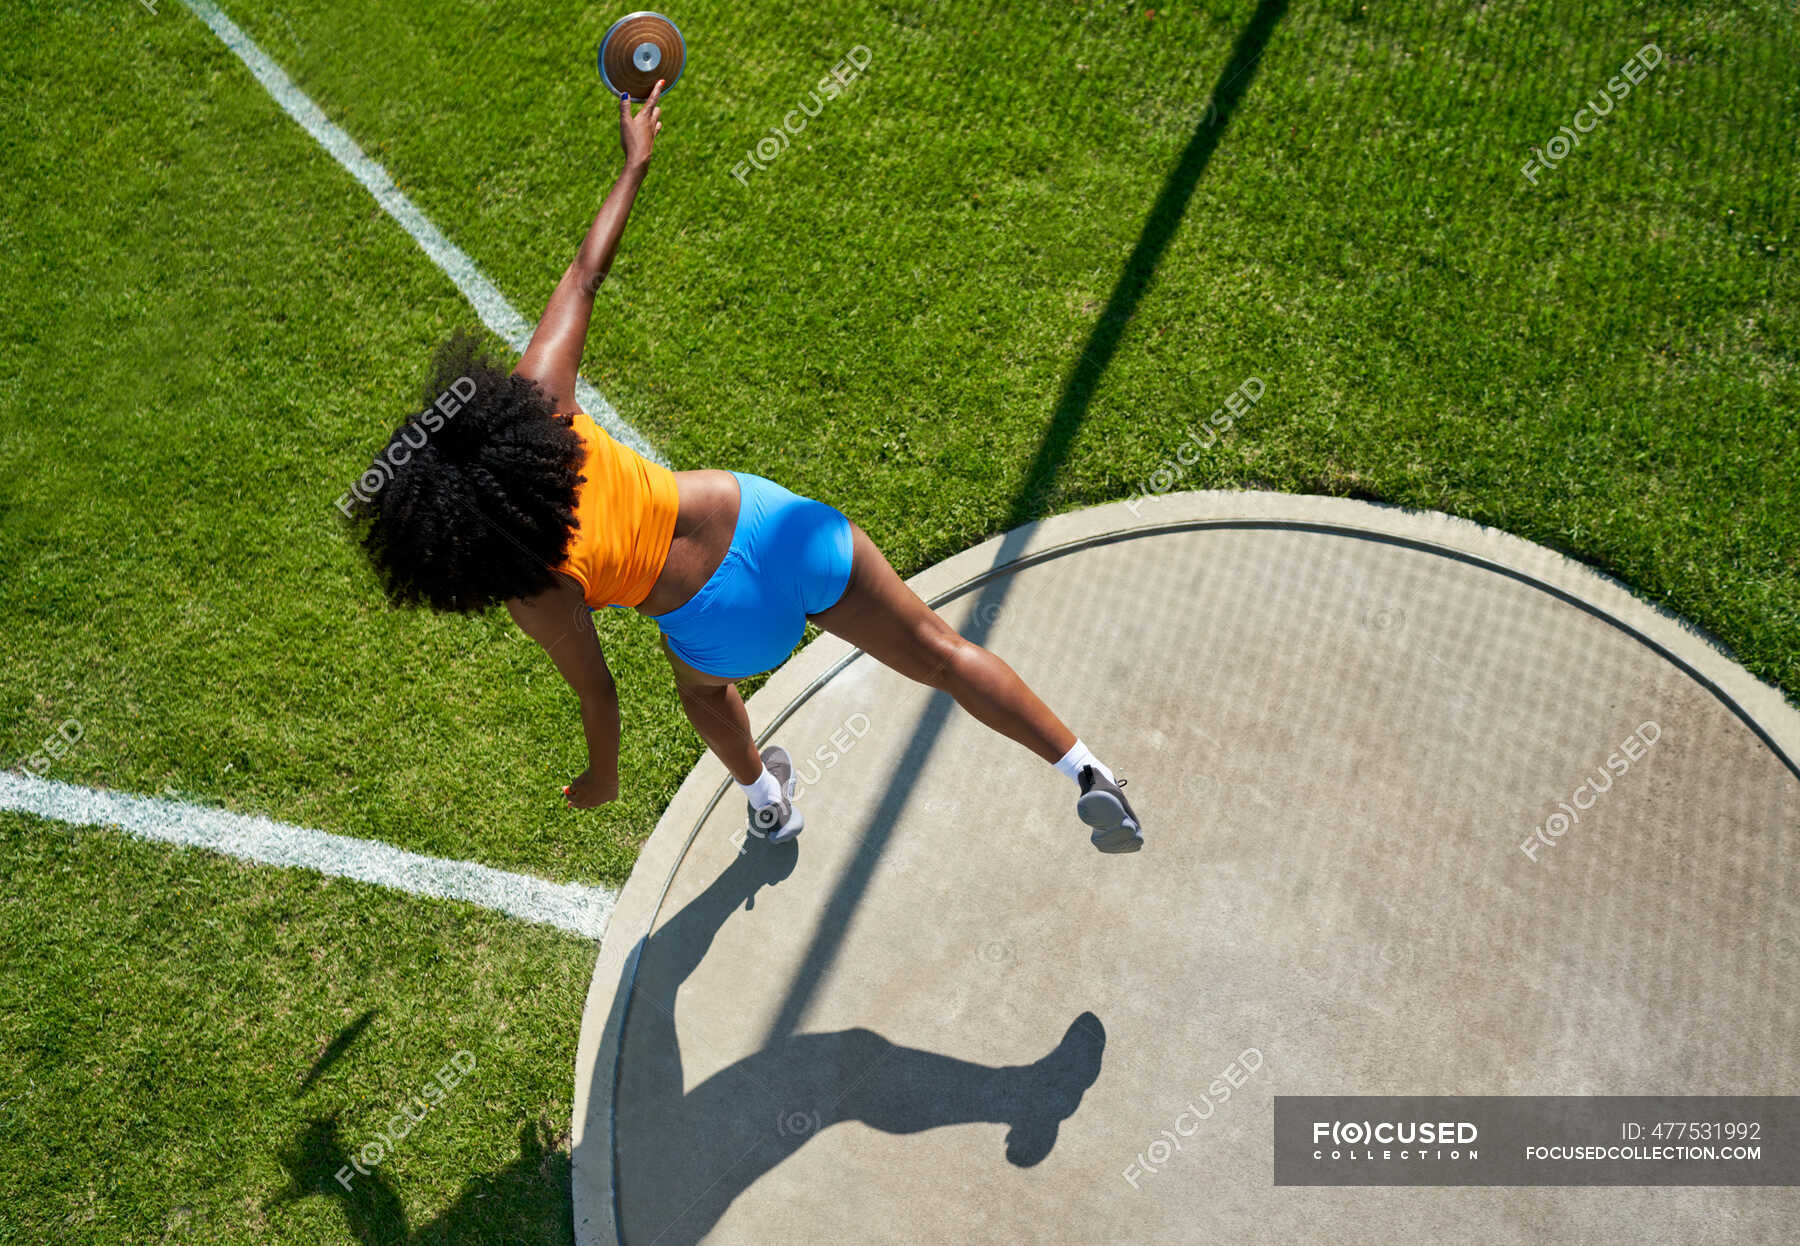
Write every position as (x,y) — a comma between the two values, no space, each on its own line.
(1053,1090)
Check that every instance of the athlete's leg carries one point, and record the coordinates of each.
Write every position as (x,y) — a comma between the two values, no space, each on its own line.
(718,714)
(885,619)
(766,779)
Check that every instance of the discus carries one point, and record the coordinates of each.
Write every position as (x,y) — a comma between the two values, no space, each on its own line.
(639,49)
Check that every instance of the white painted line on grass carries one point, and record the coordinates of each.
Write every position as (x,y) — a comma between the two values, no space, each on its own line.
(567,906)
(495,312)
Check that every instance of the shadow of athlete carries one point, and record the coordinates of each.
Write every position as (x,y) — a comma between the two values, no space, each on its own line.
(526,1201)
(683,1156)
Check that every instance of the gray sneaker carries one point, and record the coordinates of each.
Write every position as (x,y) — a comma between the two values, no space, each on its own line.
(780,821)
(1104,807)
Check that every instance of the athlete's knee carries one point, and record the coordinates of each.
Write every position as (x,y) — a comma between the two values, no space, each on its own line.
(945,656)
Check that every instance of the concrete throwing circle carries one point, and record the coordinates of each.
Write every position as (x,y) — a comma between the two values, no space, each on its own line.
(1430,810)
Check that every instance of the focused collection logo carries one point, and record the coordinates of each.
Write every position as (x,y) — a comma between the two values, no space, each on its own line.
(1394,1140)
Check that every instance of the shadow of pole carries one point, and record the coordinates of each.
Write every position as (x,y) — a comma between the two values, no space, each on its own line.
(1071,409)
(1140,268)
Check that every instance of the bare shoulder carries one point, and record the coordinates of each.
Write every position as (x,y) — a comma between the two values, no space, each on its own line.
(553,614)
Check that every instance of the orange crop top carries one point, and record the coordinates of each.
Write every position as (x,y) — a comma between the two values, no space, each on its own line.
(624,521)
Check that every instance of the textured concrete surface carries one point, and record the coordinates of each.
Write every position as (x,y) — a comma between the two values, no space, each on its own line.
(941,1016)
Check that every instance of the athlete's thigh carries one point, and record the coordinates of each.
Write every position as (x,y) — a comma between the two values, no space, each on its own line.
(685,675)
(884,618)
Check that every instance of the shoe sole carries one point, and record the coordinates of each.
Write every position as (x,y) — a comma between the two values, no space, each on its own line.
(1114,829)
(795,825)
(796,820)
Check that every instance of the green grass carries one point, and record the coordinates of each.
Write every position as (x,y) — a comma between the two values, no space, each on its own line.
(206,327)
(161,1028)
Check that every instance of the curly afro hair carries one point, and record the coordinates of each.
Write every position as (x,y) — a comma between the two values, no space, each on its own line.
(472,500)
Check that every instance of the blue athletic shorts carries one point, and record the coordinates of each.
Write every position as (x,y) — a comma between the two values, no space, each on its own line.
(789,557)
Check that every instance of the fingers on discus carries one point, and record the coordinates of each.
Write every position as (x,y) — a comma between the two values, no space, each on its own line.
(655,93)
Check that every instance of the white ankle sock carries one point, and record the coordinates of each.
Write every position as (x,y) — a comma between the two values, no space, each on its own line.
(764,792)
(1079,756)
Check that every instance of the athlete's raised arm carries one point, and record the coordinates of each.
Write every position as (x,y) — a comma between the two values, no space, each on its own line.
(554,356)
